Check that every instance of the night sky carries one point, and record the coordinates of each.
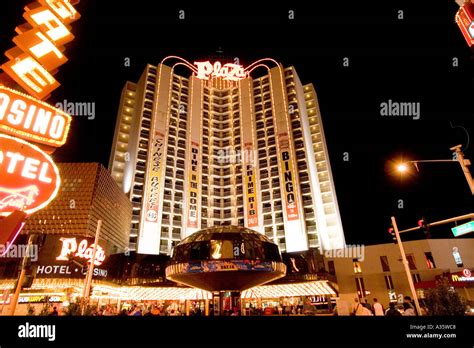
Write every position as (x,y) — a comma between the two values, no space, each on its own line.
(407,60)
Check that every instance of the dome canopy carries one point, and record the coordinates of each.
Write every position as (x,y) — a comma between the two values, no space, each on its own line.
(225,258)
(220,243)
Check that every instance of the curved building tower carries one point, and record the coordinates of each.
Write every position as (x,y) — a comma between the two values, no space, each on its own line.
(212,144)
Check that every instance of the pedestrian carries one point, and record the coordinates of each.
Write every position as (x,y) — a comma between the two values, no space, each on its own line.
(357,308)
(155,311)
(137,312)
(408,310)
(378,308)
(366,310)
(54,312)
(407,299)
(392,311)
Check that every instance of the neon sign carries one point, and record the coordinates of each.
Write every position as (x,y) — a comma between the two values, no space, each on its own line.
(288,178)
(28,118)
(29,180)
(465,21)
(39,46)
(82,250)
(193,186)
(229,71)
(251,191)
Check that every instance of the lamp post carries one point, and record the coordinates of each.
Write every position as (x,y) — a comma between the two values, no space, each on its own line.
(406,266)
(459,157)
(90,271)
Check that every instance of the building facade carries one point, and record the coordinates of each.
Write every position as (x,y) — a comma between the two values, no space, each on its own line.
(199,149)
(380,273)
(87,194)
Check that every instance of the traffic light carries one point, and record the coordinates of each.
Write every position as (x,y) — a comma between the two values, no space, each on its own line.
(11,226)
(391,230)
(425,227)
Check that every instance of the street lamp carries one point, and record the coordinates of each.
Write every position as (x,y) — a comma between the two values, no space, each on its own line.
(458,157)
(402,167)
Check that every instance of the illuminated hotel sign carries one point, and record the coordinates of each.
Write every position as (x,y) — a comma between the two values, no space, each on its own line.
(29,179)
(229,71)
(39,46)
(465,21)
(193,187)
(251,191)
(31,119)
(288,179)
(82,250)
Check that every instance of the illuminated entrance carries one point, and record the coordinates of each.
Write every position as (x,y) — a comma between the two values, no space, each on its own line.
(225,261)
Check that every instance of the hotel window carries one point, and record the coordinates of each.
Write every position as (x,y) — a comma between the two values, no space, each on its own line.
(389,282)
(384,262)
(356,264)
(411,261)
(416,278)
(429,260)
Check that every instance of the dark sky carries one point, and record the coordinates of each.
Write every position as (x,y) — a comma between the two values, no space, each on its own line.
(407,60)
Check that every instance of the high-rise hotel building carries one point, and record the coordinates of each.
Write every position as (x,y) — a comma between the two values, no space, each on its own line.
(224,145)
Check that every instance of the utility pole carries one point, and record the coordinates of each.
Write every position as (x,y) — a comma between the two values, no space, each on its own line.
(24,262)
(464,163)
(90,270)
(407,267)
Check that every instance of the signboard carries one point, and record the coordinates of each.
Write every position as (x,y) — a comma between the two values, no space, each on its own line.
(54,263)
(193,190)
(465,276)
(463,229)
(41,299)
(229,71)
(28,118)
(81,250)
(287,173)
(29,179)
(230,265)
(465,21)
(149,234)
(39,50)
(251,190)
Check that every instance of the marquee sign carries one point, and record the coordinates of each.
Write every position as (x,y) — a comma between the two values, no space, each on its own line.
(287,173)
(229,71)
(39,46)
(29,179)
(465,21)
(31,119)
(251,191)
(193,188)
(149,232)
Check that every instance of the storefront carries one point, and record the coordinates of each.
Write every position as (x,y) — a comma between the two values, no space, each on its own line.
(308,298)
(462,282)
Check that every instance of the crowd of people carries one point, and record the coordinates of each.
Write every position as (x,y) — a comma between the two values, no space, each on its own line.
(407,308)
